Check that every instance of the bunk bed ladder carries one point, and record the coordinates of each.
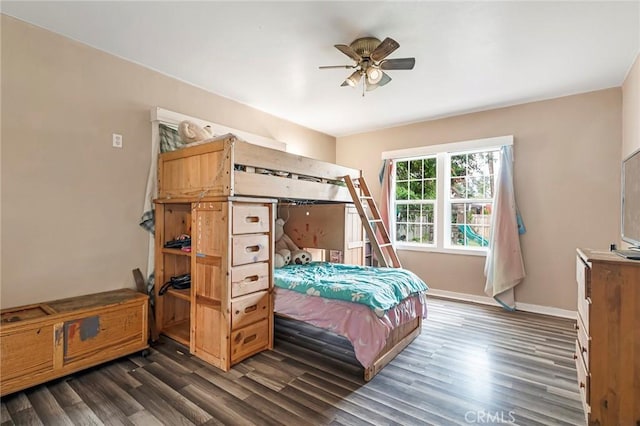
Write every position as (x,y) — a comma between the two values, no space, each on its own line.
(373,224)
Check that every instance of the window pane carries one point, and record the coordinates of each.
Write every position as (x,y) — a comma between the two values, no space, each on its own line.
(470,224)
(477,164)
(416,169)
(414,213)
(488,187)
(401,170)
(401,212)
(430,189)
(458,187)
(416,189)
(427,213)
(413,233)
(402,190)
(429,168)
(457,236)
(457,213)
(483,233)
(475,187)
(427,234)
(459,165)
(401,232)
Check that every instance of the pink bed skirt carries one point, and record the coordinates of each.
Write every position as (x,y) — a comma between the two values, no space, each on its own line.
(367,332)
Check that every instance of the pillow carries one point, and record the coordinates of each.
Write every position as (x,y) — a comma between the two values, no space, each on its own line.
(169,139)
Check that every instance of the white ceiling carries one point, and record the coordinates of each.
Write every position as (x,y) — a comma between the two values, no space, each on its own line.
(469,55)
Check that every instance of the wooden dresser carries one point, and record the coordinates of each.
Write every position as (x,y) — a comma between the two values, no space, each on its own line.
(608,345)
(227,314)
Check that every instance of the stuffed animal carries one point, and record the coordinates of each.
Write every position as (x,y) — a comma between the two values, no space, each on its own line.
(281,258)
(300,257)
(190,132)
(286,248)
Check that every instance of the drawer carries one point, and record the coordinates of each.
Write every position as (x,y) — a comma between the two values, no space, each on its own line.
(249,278)
(250,248)
(250,218)
(585,342)
(249,340)
(583,378)
(584,311)
(583,278)
(248,309)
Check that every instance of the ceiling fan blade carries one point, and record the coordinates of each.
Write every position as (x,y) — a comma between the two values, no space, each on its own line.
(398,64)
(383,50)
(347,50)
(325,67)
(385,79)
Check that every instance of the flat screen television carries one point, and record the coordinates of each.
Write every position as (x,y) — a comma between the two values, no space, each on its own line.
(631,199)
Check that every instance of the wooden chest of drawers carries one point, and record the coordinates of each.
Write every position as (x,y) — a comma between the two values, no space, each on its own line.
(52,339)
(227,314)
(608,337)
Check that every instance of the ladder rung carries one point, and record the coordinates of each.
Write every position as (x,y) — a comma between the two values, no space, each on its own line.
(385,245)
(366,197)
(374,220)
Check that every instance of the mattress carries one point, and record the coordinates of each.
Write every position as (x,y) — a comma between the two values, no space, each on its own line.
(377,288)
(367,331)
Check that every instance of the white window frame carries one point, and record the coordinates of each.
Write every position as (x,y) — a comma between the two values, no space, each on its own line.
(435,205)
(442,212)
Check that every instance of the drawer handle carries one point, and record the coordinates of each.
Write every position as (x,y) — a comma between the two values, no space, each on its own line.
(251,278)
(582,385)
(252,249)
(576,327)
(252,219)
(575,356)
(248,309)
(249,339)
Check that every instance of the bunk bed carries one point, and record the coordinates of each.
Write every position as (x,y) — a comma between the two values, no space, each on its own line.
(229,168)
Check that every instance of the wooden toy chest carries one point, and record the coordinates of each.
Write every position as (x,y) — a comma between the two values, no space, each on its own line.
(49,340)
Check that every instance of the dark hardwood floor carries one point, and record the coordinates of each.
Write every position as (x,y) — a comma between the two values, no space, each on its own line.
(472,364)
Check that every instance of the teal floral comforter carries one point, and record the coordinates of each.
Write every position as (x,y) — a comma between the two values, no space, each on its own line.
(378,288)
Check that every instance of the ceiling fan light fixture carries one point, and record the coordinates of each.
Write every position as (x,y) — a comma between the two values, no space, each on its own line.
(353,79)
(374,75)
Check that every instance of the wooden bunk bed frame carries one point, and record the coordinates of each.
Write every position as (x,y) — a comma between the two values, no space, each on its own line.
(228,166)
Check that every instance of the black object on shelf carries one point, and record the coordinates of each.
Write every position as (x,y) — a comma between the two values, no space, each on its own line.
(181,242)
(179,282)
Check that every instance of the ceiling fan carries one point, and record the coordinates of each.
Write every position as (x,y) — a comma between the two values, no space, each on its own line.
(370,54)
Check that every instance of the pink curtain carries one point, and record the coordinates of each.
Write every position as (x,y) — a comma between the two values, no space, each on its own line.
(385,197)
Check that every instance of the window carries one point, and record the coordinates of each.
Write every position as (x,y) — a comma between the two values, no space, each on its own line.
(443,195)
(415,198)
(471,187)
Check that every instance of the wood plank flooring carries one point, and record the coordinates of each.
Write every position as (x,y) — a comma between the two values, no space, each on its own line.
(472,364)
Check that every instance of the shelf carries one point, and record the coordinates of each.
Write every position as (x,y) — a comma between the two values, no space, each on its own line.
(176,251)
(178,332)
(180,294)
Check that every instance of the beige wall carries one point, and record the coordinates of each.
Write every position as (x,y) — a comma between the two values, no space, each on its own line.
(70,202)
(567,179)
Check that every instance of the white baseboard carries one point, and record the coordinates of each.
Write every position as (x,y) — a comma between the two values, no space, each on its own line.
(526,307)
